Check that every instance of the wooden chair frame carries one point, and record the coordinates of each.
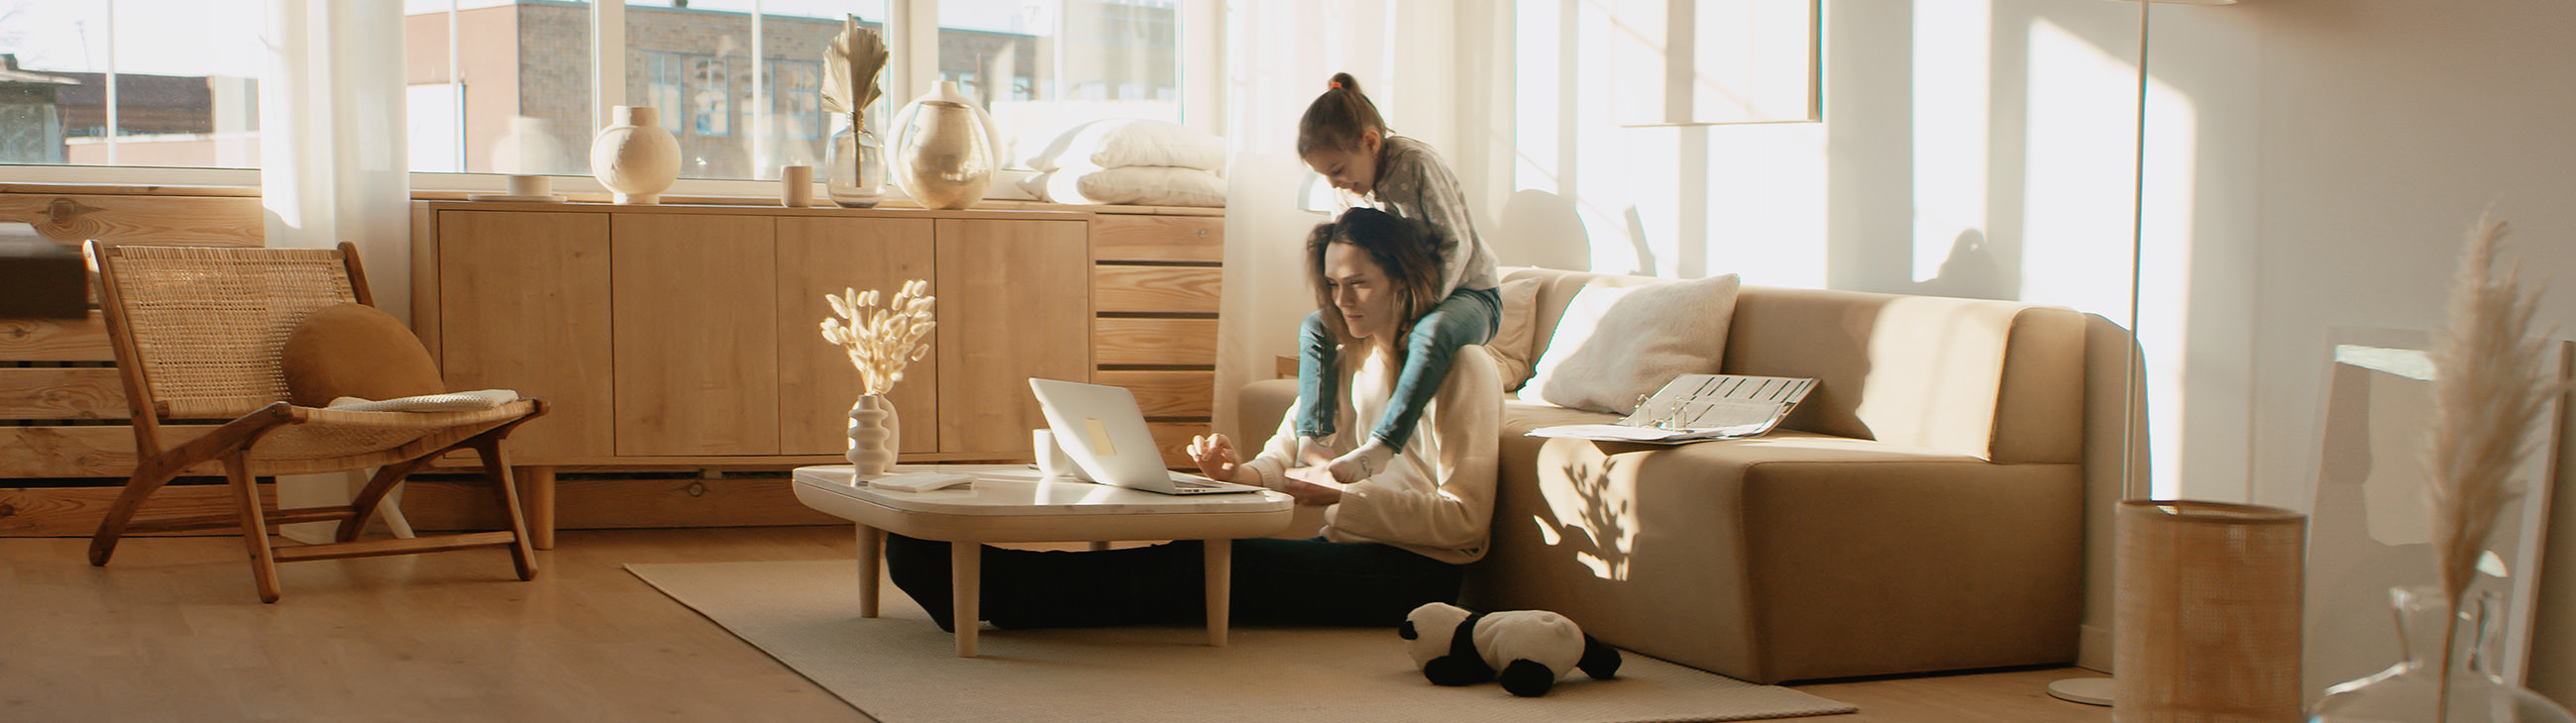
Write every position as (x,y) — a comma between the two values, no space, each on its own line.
(164,382)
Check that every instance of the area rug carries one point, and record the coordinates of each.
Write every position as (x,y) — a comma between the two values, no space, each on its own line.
(899,668)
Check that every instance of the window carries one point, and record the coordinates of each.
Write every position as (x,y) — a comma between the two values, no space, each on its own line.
(519,85)
(796,93)
(710,109)
(1044,66)
(510,86)
(662,85)
(183,73)
(750,97)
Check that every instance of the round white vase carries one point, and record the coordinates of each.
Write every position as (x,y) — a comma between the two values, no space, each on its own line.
(946,149)
(636,158)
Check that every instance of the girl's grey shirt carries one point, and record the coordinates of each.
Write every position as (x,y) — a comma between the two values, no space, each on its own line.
(1414,183)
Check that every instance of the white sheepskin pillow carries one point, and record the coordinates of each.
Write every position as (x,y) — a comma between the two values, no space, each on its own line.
(1121,142)
(1141,185)
(1616,344)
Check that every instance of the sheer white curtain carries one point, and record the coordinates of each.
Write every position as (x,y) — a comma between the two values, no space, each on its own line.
(335,161)
(1278,55)
(335,167)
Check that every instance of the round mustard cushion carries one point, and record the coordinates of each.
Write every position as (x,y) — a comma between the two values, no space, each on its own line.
(355,350)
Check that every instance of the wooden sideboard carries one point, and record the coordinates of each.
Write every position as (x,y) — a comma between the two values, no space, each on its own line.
(687,336)
(1131,294)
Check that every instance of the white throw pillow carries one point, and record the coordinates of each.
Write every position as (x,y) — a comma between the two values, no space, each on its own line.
(1141,185)
(1616,344)
(1117,142)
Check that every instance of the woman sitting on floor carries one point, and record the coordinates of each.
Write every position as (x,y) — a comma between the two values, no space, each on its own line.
(1390,542)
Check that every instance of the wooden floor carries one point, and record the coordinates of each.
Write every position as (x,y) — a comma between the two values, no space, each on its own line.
(173,631)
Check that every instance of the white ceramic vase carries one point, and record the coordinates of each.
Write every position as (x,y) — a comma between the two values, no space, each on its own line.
(636,158)
(945,150)
(874,435)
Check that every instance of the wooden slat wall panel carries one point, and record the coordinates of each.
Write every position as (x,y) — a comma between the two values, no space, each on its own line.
(71,214)
(56,393)
(91,451)
(1156,289)
(1154,342)
(75,511)
(1116,237)
(157,219)
(1166,394)
(55,340)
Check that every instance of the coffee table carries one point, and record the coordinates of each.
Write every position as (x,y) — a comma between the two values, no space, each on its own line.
(1013,503)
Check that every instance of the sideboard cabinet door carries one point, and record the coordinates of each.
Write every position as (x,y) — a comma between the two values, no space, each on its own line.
(1014,303)
(816,382)
(696,334)
(524,305)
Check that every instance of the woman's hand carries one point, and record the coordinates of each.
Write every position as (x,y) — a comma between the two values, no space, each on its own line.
(1217,460)
(1312,486)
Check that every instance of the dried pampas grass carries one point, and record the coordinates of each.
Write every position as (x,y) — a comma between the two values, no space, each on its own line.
(881,341)
(2489,388)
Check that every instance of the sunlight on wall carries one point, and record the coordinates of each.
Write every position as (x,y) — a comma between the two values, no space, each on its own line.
(2079,218)
(1952,56)
(1683,201)
(2078,162)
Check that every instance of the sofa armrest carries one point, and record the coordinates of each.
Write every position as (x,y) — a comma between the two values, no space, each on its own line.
(1258,409)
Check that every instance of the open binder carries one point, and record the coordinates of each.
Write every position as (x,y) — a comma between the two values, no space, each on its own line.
(1699,406)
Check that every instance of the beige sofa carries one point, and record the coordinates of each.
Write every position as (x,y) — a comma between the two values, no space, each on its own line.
(1921,510)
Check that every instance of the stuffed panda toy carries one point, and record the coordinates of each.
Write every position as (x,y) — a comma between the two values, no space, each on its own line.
(1527,649)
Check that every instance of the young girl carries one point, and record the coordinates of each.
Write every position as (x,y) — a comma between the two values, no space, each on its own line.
(1343,137)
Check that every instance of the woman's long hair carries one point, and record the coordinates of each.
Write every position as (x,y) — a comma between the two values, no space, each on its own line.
(1401,247)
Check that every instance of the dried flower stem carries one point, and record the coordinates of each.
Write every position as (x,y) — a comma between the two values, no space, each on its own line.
(2488,390)
(881,341)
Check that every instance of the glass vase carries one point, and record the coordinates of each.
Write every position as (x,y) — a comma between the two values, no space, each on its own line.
(854,169)
(2419,690)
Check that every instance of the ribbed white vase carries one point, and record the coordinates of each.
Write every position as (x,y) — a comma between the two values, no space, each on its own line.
(874,435)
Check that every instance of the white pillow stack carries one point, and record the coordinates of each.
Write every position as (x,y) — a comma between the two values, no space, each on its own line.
(1131,160)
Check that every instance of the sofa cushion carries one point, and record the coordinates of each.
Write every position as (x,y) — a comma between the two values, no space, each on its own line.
(1617,342)
(1515,338)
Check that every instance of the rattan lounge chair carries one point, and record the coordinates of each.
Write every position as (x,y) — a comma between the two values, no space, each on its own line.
(198,333)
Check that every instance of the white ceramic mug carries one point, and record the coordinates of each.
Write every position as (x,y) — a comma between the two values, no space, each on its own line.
(796,186)
(1052,461)
(524,185)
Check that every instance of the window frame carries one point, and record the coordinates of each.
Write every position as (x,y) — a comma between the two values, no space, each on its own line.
(908,75)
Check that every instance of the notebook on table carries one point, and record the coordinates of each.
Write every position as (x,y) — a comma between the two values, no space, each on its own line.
(1104,432)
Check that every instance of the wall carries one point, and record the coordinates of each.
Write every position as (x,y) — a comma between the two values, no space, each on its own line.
(2349,145)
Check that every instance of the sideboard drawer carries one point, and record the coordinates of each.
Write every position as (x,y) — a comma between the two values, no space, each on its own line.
(1154,342)
(1122,237)
(1156,289)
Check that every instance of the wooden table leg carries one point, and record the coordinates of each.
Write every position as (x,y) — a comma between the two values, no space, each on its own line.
(871,561)
(1220,588)
(966,592)
(537,486)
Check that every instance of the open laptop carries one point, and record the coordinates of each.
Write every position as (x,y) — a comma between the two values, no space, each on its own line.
(1104,432)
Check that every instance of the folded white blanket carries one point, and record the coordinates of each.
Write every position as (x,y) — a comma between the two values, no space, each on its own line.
(474,401)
